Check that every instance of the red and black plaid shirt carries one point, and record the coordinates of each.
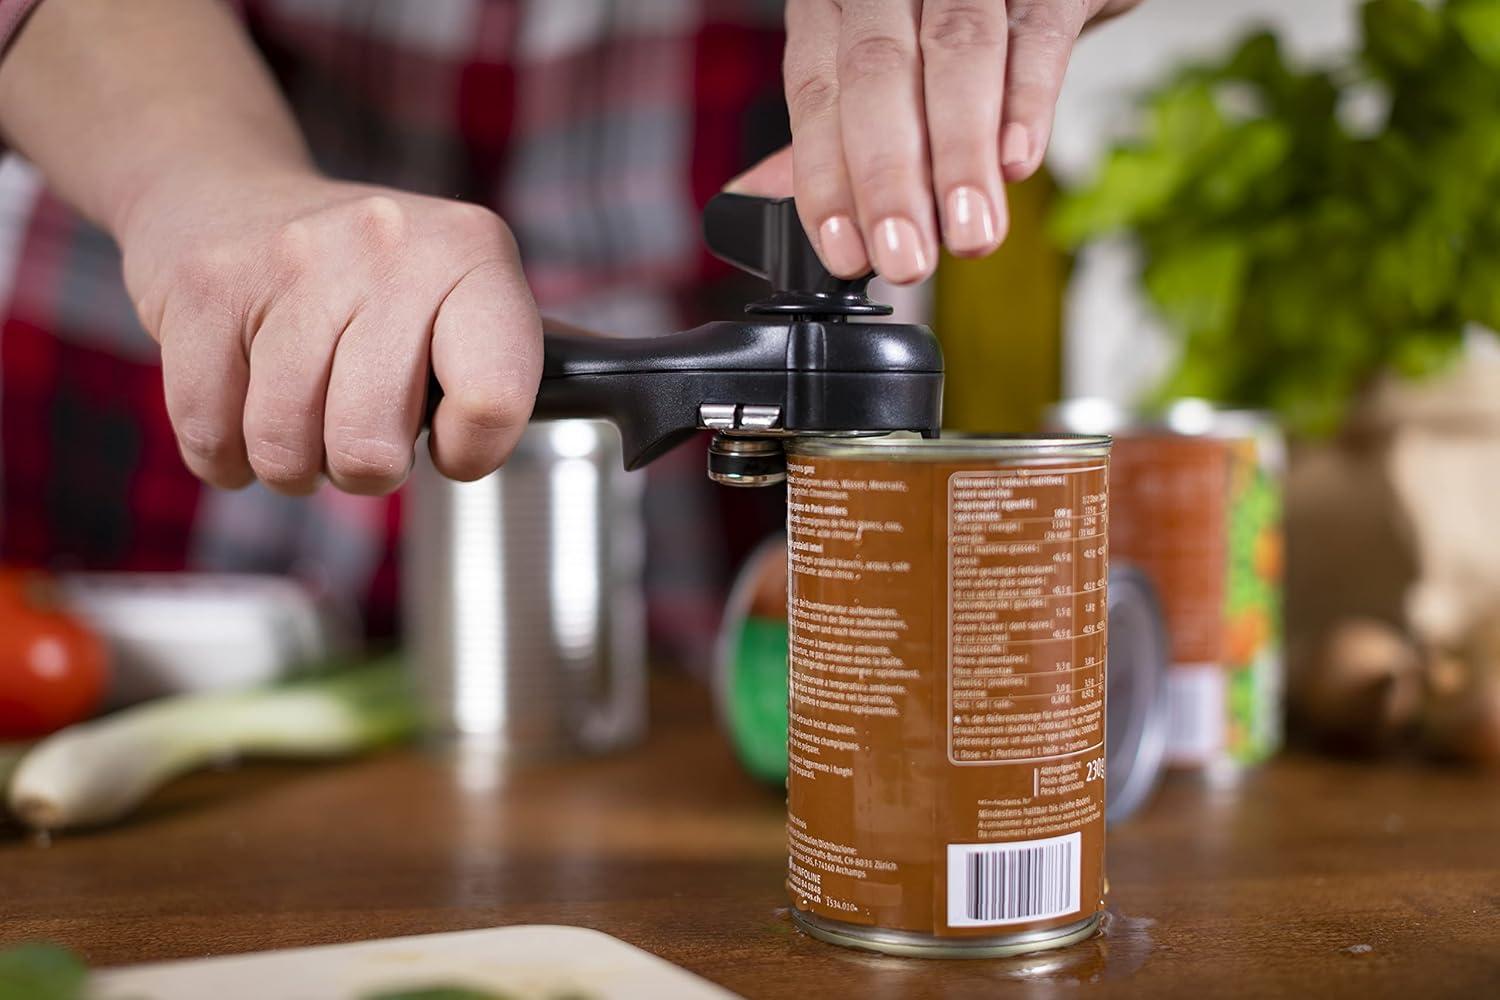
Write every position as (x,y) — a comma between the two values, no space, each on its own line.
(597,128)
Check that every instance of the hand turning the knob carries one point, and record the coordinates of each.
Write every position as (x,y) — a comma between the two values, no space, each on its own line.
(908,117)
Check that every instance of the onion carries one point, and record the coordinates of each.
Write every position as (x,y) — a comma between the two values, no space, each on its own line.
(95,772)
(1363,690)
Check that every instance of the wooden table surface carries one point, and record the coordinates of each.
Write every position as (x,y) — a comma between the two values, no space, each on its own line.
(1309,877)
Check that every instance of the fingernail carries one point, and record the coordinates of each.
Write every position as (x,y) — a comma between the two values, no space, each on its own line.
(899,254)
(970,224)
(843,250)
(1015,146)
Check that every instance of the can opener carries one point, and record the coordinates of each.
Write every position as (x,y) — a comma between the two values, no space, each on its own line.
(804,361)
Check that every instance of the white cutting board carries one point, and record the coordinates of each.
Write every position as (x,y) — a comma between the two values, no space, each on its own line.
(518,963)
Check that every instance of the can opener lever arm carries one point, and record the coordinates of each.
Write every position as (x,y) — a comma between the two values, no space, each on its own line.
(804,361)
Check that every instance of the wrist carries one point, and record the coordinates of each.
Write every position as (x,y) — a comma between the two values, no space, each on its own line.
(183,191)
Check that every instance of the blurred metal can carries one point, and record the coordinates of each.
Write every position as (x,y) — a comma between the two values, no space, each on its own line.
(523,597)
(1135,738)
(1197,506)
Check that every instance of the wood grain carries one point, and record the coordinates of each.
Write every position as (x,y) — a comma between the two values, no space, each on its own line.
(1309,876)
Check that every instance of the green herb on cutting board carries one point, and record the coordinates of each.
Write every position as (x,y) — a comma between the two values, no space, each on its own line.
(41,972)
(1303,231)
(97,771)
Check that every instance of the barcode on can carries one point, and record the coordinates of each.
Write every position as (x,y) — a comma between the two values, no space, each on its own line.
(992,884)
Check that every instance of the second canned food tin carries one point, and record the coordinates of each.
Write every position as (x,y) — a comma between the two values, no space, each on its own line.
(1197,506)
(947,610)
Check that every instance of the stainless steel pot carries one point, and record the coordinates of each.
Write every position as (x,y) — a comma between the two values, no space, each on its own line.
(523,595)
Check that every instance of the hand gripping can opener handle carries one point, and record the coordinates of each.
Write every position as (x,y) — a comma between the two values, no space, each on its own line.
(805,361)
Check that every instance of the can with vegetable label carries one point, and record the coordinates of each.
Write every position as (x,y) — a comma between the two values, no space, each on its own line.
(947,619)
(1197,506)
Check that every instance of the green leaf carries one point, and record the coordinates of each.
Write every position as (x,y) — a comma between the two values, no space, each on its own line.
(41,972)
(1293,260)
(1478,24)
(1198,375)
(1185,117)
(1198,285)
(1311,404)
(1258,60)
(1400,35)
(438,993)
(1138,182)
(1479,290)
(1246,159)
(1132,186)
(1420,353)
(1432,277)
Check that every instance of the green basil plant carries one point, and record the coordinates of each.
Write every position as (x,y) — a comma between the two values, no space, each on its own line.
(1304,230)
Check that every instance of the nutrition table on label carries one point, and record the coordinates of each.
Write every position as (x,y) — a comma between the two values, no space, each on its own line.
(1027,563)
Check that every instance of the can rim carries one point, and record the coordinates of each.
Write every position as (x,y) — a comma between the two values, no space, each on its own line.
(912,944)
(955,445)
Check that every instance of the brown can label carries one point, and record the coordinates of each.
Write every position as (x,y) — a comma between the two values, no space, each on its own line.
(947,665)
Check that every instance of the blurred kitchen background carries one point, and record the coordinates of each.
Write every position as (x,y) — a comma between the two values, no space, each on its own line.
(1275,206)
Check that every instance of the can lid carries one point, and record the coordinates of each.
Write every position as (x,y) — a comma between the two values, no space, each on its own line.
(1136,693)
(911,447)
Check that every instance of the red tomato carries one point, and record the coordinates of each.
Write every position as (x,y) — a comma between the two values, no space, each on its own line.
(52,667)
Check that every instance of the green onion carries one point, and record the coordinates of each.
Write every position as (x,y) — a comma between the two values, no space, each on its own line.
(98,771)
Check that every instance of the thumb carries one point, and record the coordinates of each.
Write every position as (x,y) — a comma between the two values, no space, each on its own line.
(770,178)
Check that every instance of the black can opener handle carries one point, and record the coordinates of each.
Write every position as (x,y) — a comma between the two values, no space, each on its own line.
(803,361)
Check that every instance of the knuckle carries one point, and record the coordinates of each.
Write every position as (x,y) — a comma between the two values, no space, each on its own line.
(1047,21)
(367,461)
(889,171)
(292,250)
(481,224)
(960,26)
(485,238)
(821,187)
(467,466)
(811,96)
(204,276)
(874,55)
(494,405)
(281,465)
(963,149)
(380,219)
(207,440)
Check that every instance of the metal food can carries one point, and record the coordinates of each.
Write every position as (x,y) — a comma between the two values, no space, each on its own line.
(1136,697)
(523,597)
(750,678)
(1197,500)
(947,618)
